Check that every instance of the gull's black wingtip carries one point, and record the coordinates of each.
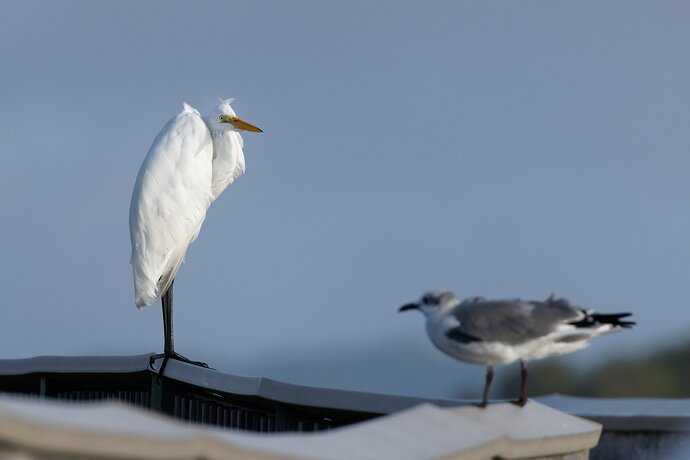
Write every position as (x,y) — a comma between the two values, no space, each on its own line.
(614,319)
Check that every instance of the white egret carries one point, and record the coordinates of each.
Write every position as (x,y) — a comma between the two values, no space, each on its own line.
(191,161)
(493,332)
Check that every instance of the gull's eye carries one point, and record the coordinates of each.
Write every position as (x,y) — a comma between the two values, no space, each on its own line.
(431,299)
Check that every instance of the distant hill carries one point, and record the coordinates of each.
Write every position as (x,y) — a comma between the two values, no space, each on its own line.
(414,367)
(662,373)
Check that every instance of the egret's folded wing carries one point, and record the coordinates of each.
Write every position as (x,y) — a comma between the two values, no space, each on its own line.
(169,202)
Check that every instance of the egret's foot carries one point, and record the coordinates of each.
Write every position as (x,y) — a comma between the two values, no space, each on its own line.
(176,356)
(483,404)
(519,402)
(153,359)
(184,359)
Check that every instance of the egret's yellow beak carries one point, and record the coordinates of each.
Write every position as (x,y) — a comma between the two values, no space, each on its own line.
(239,123)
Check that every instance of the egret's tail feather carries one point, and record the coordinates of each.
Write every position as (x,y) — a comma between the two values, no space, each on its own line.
(144,300)
(145,293)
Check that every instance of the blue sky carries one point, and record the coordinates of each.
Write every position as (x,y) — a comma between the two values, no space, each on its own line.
(504,149)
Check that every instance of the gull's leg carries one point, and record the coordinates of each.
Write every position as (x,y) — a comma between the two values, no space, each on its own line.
(523,384)
(487,385)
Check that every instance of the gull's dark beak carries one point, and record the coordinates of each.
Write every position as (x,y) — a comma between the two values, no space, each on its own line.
(409,306)
(239,123)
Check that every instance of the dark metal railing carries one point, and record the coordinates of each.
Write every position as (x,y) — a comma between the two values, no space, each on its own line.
(196,394)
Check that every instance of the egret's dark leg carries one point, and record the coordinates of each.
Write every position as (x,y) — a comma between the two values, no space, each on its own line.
(167,302)
(487,385)
(169,344)
(523,384)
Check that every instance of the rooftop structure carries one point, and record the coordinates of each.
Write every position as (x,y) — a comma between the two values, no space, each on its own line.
(244,404)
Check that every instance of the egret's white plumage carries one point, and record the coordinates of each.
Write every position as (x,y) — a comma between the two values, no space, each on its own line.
(228,157)
(191,161)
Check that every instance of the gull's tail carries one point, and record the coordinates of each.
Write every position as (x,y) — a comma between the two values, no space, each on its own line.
(614,320)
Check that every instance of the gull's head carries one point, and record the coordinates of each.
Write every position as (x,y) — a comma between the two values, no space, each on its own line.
(432,302)
(224,118)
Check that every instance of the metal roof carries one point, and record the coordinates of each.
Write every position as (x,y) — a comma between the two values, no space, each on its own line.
(627,414)
(199,394)
(210,379)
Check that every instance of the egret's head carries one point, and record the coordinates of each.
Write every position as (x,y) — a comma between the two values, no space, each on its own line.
(432,302)
(223,118)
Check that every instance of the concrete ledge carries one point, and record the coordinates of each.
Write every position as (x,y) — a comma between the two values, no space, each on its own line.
(40,428)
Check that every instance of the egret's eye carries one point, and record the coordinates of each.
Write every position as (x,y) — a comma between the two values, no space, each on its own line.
(220,118)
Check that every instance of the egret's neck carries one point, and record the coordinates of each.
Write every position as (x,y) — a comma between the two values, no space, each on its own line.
(228,159)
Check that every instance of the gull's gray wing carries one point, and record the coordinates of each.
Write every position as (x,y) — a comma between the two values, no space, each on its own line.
(512,321)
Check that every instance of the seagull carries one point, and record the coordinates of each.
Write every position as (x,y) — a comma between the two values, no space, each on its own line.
(492,332)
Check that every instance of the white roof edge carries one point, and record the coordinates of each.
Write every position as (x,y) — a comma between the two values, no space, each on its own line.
(426,431)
